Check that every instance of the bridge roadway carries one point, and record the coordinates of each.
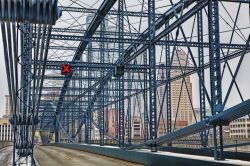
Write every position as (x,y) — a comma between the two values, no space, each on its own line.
(6,156)
(57,156)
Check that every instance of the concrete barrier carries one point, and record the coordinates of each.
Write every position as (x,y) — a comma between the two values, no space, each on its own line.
(146,157)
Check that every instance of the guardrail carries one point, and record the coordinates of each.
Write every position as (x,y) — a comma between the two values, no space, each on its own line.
(146,157)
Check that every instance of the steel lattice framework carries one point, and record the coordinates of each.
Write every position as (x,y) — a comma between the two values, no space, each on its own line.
(125,63)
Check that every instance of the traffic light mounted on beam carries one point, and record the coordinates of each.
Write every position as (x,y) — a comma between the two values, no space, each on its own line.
(119,71)
(66,69)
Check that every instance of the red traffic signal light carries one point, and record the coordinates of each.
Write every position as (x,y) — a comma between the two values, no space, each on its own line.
(65,69)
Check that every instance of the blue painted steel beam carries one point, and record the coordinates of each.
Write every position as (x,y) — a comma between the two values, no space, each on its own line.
(139,41)
(111,12)
(215,72)
(152,74)
(204,136)
(121,128)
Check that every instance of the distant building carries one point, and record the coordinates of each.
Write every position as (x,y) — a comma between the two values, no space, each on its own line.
(184,117)
(51,96)
(160,95)
(95,134)
(5,130)
(136,128)
(7,107)
(111,121)
(240,128)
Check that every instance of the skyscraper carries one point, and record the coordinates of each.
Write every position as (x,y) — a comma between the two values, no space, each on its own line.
(181,96)
(180,93)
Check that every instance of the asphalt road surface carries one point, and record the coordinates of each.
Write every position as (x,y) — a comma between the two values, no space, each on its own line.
(6,156)
(47,155)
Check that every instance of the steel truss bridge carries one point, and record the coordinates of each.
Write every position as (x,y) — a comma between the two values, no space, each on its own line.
(121,53)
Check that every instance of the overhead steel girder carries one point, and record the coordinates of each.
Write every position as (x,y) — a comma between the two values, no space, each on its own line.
(72,110)
(99,16)
(94,65)
(72,89)
(111,12)
(88,78)
(178,43)
(97,33)
(49,95)
(73,48)
(82,103)
(108,66)
(92,79)
(97,70)
(138,41)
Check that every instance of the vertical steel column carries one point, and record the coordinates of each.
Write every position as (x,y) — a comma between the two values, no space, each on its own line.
(215,71)
(168,86)
(101,112)
(80,107)
(24,133)
(203,134)
(121,78)
(89,108)
(73,112)
(152,73)
(67,113)
(129,116)
(56,125)
(116,93)
(145,97)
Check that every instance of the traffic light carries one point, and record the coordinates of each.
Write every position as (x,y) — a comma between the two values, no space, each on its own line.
(119,71)
(65,69)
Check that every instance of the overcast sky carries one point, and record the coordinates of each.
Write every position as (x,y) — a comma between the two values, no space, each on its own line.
(243,78)
(3,78)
